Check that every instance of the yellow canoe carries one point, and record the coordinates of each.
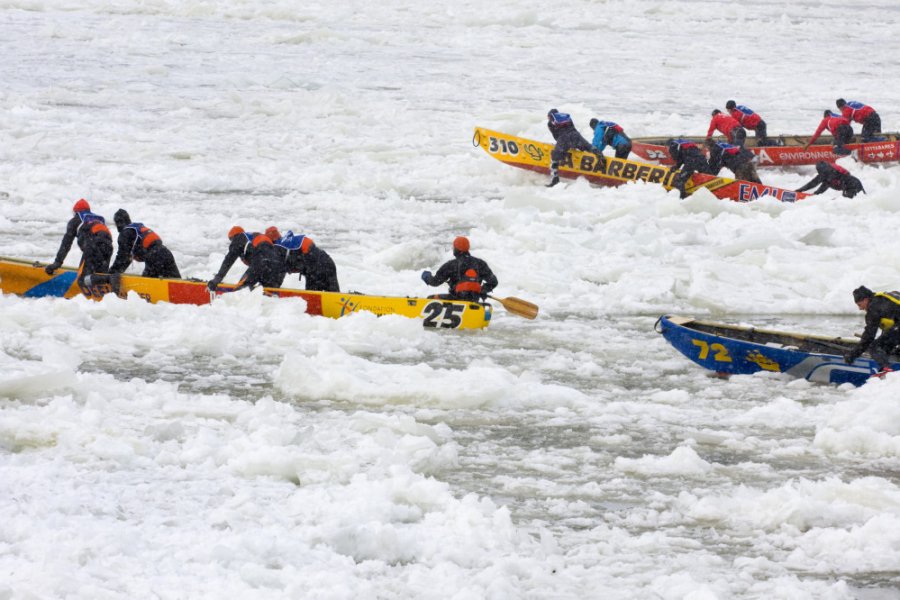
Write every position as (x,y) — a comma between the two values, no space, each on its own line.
(29,279)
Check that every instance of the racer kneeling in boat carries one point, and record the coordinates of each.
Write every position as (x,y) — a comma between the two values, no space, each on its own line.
(94,240)
(734,158)
(265,265)
(686,154)
(729,126)
(140,243)
(861,113)
(470,278)
(838,127)
(301,255)
(882,310)
(831,175)
(567,138)
(607,133)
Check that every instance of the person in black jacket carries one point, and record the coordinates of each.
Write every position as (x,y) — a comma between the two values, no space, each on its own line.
(470,278)
(140,243)
(317,266)
(734,158)
(265,264)
(94,240)
(567,138)
(882,310)
(686,154)
(832,175)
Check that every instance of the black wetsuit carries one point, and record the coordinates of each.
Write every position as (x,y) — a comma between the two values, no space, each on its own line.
(470,278)
(139,243)
(835,178)
(94,240)
(880,308)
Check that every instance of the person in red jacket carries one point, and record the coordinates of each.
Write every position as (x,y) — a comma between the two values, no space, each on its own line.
(861,113)
(834,176)
(840,129)
(749,120)
(729,126)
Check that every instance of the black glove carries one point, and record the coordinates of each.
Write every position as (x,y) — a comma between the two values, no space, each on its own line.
(214,283)
(426,276)
(850,357)
(51,267)
(553,182)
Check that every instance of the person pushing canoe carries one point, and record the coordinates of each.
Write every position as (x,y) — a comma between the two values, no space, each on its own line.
(882,310)
(94,240)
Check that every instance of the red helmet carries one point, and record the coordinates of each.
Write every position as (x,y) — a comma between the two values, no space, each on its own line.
(81,205)
(236,230)
(461,244)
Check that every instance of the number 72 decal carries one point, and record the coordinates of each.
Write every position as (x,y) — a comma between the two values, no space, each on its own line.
(721,353)
(446,315)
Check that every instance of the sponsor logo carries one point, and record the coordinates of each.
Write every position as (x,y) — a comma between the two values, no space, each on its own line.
(621,169)
(747,192)
(763,362)
(534,152)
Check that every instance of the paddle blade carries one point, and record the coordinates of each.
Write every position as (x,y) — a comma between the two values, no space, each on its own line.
(517,306)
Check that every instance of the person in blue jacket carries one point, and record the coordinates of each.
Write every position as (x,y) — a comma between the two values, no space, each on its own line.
(607,133)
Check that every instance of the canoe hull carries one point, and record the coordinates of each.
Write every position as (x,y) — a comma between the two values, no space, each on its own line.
(730,349)
(29,280)
(791,154)
(535,156)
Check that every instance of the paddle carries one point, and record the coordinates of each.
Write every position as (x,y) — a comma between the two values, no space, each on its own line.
(518,307)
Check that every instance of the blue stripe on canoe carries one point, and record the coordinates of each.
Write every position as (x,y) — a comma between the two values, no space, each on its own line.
(56,287)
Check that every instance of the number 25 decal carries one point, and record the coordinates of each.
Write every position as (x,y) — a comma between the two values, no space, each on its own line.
(443,314)
(721,353)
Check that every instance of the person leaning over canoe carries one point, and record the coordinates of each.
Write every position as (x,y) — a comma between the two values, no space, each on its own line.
(301,255)
(729,126)
(142,244)
(834,176)
(861,113)
(749,120)
(265,266)
(838,127)
(607,133)
(882,310)
(567,138)
(470,278)
(94,240)
(686,154)
(734,158)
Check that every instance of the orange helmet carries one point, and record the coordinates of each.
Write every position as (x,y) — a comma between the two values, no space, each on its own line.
(81,205)
(273,234)
(236,230)
(461,244)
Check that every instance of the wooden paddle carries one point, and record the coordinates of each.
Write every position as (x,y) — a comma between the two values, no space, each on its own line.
(518,307)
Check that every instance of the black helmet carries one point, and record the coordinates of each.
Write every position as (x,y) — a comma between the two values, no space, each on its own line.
(828,113)
(822,166)
(840,102)
(121,218)
(730,104)
(552,111)
(715,112)
(861,293)
(593,123)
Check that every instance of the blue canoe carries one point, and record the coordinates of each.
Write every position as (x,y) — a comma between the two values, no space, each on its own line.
(733,349)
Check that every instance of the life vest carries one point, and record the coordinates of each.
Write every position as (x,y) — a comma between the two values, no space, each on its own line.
(144,238)
(894,297)
(559,119)
(469,282)
(729,148)
(251,241)
(92,223)
(290,242)
(610,125)
(682,144)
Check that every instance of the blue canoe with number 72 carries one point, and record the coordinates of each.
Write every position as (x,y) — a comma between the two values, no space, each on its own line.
(740,350)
